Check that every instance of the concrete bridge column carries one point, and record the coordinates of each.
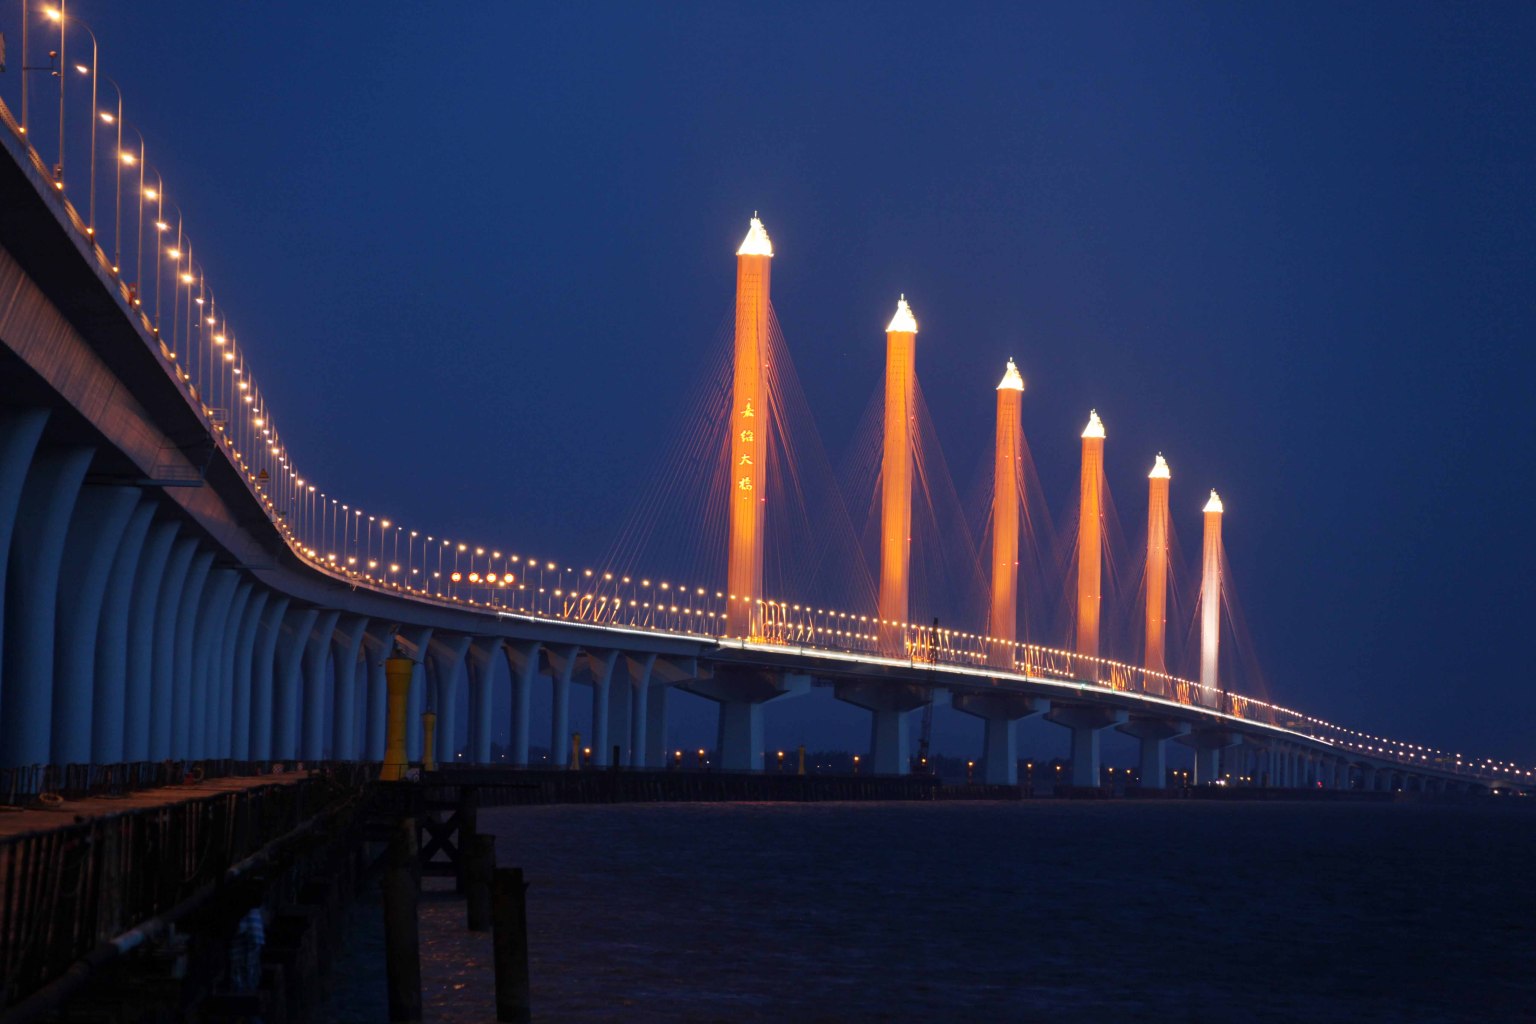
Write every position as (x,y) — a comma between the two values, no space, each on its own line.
(1208,745)
(378,644)
(264,673)
(143,617)
(32,584)
(221,736)
(446,656)
(1367,778)
(638,676)
(741,694)
(562,662)
(665,673)
(113,669)
(186,645)
(414,641)
(889,704)
(20,431)
(90,546)
(999,712)
(620,710)
(346,644)
(483,654)
(245,658)
(1086,722)
(311,711)
(600,664)
(1154,734)
(167,612)
(297,626)
(523,664)
(207,640)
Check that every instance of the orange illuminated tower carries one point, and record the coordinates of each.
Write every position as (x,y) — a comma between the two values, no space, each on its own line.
(1157,566)
(1210,601)
(896,478)
(1007,501)
(749,434)
(1090,537)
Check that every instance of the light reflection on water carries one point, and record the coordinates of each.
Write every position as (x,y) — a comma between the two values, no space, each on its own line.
(1048,910)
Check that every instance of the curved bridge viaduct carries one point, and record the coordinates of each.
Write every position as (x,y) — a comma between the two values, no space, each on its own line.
(155,607)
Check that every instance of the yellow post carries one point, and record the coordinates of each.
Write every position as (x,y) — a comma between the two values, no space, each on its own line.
(398,670)
(428,741)
(801,770)
(575,751)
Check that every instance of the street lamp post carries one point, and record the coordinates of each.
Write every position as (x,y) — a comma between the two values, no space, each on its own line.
(57,15)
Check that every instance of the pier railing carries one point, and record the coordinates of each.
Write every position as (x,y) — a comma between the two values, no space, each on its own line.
(72,890)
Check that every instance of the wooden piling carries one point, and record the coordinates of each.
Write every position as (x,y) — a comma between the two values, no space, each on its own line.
(402,935)
(510,911)
(479,866)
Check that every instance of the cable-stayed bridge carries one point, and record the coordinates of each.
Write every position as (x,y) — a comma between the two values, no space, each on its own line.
(175,589)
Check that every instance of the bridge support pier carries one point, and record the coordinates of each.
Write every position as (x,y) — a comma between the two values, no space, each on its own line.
(317,653)
(637,676)
(245,671)
(166,608)
(100,515)
(415,641)
(346,644)
(890,703)
(481,659)
(1000,745)
(138,710)
(298,624)
(1153,734)
(523,664)
(378,644)
(562,662)
(20,432)
(445,655)
(207,661)
(225,670)
(183,675)
(1086,723)
(741,694)
(1208,745)
(264,677)
(114,650)
(37,551)
(601,665)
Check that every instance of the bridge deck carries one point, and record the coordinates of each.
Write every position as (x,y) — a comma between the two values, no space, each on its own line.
(74,812)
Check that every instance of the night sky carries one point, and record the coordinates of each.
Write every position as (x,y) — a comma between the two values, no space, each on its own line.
(477,252)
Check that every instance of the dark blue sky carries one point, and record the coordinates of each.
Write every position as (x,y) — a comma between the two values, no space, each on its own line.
(475,253)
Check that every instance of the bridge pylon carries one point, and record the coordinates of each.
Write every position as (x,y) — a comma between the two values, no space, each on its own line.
(1157,567)
(1007,503)
(749,435)
(896,480)
(1090,537)
(1210,603)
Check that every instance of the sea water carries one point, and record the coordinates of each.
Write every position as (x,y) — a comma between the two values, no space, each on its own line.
(1046,910)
